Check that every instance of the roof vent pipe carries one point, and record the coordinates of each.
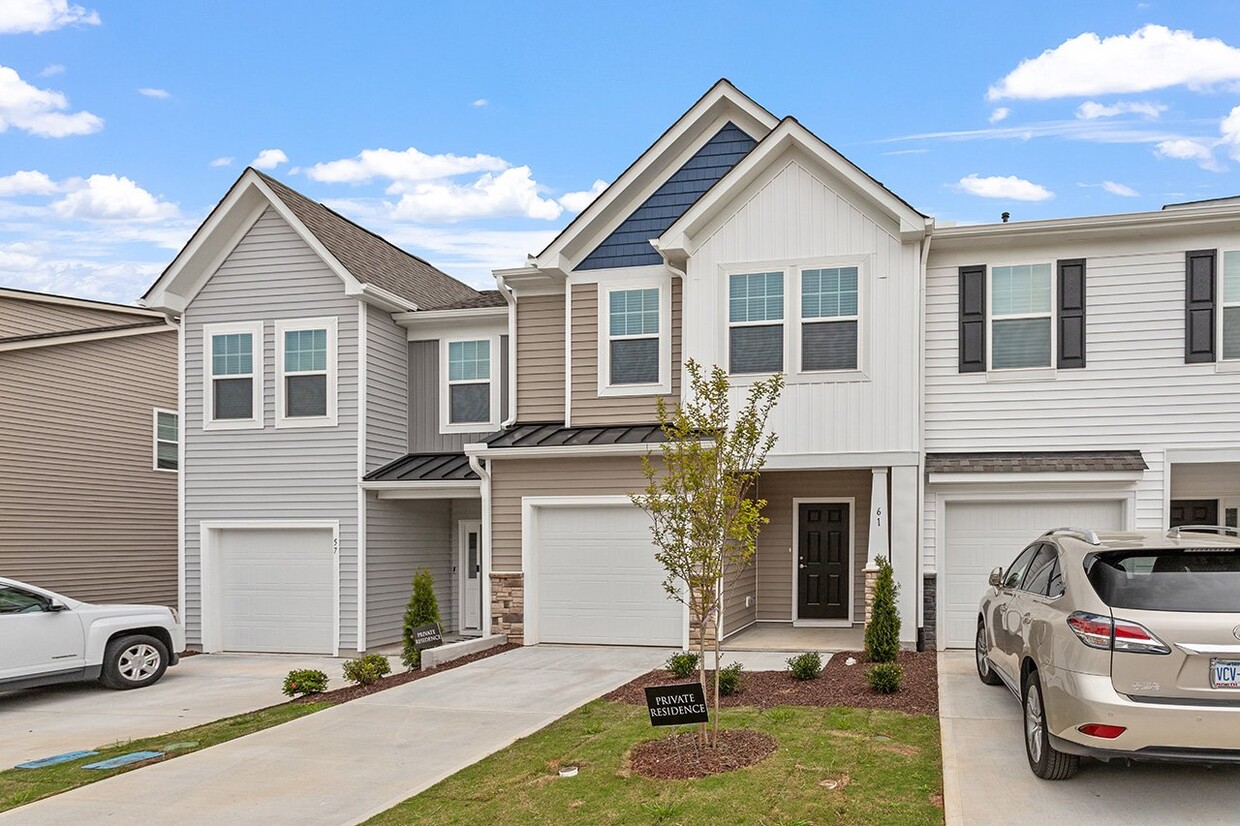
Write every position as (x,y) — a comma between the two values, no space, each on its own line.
(1005,216)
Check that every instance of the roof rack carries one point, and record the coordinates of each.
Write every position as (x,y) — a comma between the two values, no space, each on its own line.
(1081,533)
(1175,532)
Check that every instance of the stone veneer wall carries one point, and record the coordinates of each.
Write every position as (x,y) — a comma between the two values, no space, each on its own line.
(508,605)
(929,611)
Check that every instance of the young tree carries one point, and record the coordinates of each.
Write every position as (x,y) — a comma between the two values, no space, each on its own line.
(423,609)
(704,521)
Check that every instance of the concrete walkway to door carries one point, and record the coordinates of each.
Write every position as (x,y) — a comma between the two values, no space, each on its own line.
(345,764)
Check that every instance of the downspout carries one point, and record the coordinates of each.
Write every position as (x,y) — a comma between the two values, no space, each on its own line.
(921,441)
(484,473)
(511,300)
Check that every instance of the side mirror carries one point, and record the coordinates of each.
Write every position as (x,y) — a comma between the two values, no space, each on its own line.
(996,578)
(56,607)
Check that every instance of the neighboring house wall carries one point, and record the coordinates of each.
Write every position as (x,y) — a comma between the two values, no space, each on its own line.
(268,473)
(81,508)
(587,407)
(23,317)
(540,358)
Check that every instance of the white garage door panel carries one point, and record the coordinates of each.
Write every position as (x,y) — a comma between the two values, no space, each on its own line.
(980,536)
(277,591)
(598,581)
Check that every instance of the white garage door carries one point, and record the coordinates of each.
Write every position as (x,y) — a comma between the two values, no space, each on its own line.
(979,536)
(598,581)
(276,590)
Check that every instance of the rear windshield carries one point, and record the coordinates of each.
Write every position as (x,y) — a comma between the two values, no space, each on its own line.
(1206,579)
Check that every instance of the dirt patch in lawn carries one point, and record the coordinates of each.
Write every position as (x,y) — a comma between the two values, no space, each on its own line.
(680,757)
(352,692)
(838,685)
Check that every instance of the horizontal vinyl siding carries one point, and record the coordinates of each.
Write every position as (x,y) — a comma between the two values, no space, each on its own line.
(387,389)
(20,317)
(286,474)
(540,358)
(81,509)
(588,408)
(739,582)
(402,537)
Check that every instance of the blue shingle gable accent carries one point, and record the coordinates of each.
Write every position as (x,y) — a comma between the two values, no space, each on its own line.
(629,244)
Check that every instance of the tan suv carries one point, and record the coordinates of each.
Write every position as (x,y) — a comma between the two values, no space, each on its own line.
(1119,645)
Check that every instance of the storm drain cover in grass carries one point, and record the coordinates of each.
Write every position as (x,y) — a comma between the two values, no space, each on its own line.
(67,757)
(124,760)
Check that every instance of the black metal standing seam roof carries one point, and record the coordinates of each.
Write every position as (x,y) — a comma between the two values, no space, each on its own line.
(557,435)
(1060,461)
(425,467)
(629,244)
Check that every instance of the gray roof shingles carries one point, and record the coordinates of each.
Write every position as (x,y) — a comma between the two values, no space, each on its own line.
(1062,461)
(483,300)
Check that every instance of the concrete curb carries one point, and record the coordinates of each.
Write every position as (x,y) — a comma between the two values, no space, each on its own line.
(433,657)
(953,811)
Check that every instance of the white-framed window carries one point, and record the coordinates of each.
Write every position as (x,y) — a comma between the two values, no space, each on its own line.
(306,372)
(829,318)
(1022,301)
(1230,321)
(756,322)
(233,376)
(634,342)
(166,453)
(469,401)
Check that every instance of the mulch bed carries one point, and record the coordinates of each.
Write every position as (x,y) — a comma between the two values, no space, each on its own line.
(352,692)
(680,757)
(837,685)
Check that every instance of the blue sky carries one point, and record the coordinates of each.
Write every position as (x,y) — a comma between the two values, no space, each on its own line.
(470,133)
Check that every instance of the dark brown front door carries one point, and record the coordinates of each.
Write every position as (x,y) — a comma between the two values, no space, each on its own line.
(1194,512)
(822,561)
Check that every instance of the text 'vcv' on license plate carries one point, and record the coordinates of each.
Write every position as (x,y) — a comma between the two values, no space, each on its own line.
(1225,673)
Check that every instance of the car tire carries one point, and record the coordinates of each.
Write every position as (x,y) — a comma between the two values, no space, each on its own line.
(985,671)
(1045,760)
(134,661)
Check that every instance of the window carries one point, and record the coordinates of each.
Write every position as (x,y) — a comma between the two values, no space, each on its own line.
(306,367)
(1231,306)
(469,382)
(633,336)
(1043,566)
(1016,572)
(16,601)
(1020,316)
(755,322)
(167,443)
(829,319)
(234,376)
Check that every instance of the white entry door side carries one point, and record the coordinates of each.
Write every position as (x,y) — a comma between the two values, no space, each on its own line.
(597,578)
(979,536)
(275,589)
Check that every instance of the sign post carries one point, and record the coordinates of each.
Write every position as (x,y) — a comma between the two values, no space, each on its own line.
(677,705)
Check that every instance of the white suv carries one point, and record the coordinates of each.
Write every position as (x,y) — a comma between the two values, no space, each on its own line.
(48,638)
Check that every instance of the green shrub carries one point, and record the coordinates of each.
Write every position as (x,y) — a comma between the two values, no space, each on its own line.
(730,679)
(885,678)
(423,609)
(882,632)
(304,681)
(683,664)
(366,669)
(805,666)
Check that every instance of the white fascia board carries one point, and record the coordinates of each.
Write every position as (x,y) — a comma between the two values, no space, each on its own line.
(552,451)
(76,338)
(1114,477)
(457,328)
(414,319)
(839,461)
(379,297)
(450,489)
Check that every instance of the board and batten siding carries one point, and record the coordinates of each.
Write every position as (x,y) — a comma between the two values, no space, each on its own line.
(540,358)
(82,509)
(387,389)
(424,393)
(588,408)
(27,317)
(402,537)
(307,473)
(793,215)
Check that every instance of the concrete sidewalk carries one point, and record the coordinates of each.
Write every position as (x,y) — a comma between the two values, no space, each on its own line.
(986,778)
(347,763)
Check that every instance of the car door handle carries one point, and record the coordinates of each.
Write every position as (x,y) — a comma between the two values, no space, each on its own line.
(1027,618)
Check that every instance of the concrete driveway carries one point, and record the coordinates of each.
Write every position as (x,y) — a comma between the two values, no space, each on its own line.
(986,778)
(40,722)
(347,763)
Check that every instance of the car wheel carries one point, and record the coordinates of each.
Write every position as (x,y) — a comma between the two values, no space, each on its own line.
(1045,760)
(134,662)
(985,671)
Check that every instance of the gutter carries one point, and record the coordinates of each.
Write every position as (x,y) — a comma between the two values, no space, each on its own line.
(511,299)
(919,610)
(485,563)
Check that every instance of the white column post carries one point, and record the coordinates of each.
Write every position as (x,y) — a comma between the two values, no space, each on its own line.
(904,554)
(879,518)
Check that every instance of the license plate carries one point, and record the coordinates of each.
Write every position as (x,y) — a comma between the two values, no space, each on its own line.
(1224,673)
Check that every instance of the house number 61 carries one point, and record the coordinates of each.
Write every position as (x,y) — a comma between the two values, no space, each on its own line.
(878,517)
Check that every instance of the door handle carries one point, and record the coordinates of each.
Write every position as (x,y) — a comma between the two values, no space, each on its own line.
(1027,618)
(803,565)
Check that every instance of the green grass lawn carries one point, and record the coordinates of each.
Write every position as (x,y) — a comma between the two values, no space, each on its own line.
(21,786)
(885,766)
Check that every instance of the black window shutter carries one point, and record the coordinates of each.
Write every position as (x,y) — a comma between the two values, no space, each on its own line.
(1199,306)
(972,340)
(1071,313)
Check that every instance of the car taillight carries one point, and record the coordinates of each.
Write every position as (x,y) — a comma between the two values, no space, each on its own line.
(1098,631)
(1101,730)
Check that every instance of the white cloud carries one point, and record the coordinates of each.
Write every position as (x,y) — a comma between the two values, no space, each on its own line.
(52,70)
(27,182)
(999,114)
(1090,110)
(1153,57)
(1189,149)
(160,94)
(39,268)
(1120,189)
(1009,187)
(403,169)
(1229,129)
(109,197)
(38,16)
(269,159)
(480,102)
(577,201)
(510,193)
(224,161)
(907,152)
(40,111)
